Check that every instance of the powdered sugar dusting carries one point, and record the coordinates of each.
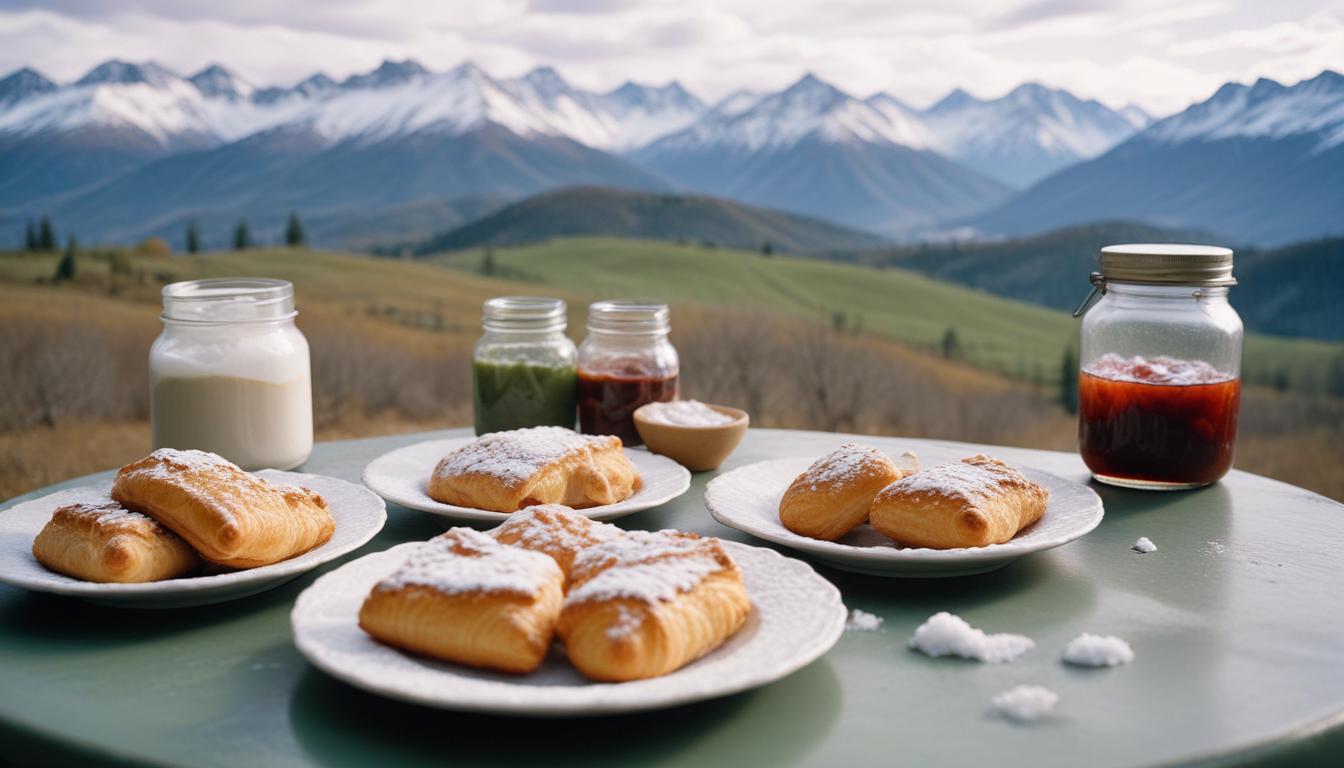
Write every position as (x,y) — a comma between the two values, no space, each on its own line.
(960,479)
(643,566)
(1089,650)
(464,560)
(685,413)
(516,455)
(554,526)
(862,621)
(845,464)
(1025,703)
(946,634)
(107,514)
(1163,370)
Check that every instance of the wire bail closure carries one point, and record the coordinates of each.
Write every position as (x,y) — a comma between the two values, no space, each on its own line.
(1098,287)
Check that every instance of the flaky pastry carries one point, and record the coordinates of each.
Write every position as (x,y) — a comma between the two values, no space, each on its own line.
(970,503)
(229,516)
(832,497)
(507,471)
(466,598)
(105,542)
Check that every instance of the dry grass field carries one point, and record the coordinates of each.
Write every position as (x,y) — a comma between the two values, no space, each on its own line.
(391,342)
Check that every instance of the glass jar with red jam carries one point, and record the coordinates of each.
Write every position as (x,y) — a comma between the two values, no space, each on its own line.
(1160,382)
(625,362)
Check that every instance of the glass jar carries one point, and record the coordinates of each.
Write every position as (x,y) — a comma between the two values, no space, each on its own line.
(523,366)
(625,362)
(230,373)
(1160,381)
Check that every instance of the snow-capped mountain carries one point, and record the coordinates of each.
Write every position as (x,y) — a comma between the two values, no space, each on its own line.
(1027,134)
(1261,163)
(814,148)
(22,84)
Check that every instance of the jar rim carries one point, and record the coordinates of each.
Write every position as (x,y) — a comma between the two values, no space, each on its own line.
(629,317)
(228,300)
(524,314)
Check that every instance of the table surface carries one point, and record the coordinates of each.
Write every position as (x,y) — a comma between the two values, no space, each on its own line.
(1237,624)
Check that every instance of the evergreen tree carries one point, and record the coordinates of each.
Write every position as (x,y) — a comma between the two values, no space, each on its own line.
(65,269)
(488,262)
(29,237)
(951,344)
(294,231)
(767,249)
(46,236)
(1068,388)
(193,238)
(241,237)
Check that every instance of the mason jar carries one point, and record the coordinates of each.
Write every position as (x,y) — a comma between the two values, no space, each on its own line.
(1160,382)
(625,362)
(523,366)
(229,374)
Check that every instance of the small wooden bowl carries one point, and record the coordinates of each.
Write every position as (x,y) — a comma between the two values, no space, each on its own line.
(695,448)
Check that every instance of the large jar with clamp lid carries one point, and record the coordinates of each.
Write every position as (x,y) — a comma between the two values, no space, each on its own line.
(1160,382)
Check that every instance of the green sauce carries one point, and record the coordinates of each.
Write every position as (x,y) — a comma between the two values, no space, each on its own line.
(516,395)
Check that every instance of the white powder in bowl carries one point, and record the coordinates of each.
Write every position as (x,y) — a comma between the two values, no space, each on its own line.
(946,634)
(862,621)
(1144,545)
(686,413)
(1088,650)
(1025,703)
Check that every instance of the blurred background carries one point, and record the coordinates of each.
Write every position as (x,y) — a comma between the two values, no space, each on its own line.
(868,217)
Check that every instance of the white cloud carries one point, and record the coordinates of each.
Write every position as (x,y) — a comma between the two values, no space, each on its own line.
(1152,52)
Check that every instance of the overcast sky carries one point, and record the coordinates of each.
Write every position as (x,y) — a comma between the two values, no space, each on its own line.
(1161,54)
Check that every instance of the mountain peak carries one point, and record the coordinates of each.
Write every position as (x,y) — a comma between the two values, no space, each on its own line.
(390,72)
(545,79)
(812,87)
(22,83)
(117,72)
(956,99)
(216,81)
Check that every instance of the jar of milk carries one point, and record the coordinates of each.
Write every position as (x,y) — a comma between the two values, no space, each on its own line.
(230,373)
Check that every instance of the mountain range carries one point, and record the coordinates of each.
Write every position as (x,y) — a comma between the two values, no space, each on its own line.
(131,150)
(135,149)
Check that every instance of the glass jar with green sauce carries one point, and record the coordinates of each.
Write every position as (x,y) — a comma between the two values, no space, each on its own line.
(523,366)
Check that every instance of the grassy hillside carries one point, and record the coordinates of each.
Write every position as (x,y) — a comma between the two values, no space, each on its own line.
(599,211)
(1015,338)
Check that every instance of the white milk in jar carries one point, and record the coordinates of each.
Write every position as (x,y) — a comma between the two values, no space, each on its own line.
(230,373)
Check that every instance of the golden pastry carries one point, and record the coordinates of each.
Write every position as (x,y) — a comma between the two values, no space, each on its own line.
(105,542)
(971,503)
(554,530)
(832,497)
(507,471)
(230,517)
(466,598)
(645,604)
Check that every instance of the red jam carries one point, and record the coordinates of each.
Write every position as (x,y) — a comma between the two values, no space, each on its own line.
(1157,420)
(607,401)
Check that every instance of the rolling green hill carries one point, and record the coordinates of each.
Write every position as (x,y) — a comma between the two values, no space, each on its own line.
(1013,337)
(600,211)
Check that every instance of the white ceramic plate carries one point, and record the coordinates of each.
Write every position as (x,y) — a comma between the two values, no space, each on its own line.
(796,617)
(359,515)
(402,477)
(747,499)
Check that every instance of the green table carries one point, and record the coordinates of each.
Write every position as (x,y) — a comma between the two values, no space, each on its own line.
(1237,622)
